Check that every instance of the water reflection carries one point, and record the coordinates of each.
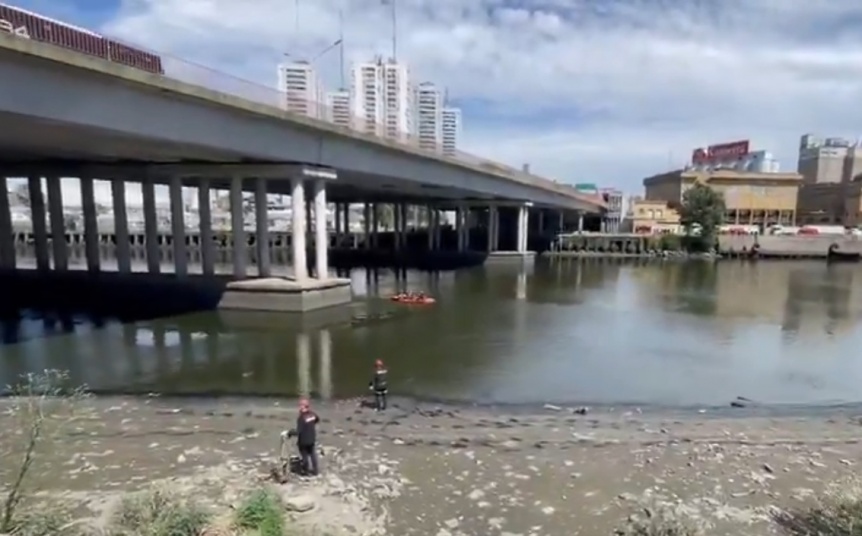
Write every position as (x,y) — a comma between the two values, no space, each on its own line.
(567,331)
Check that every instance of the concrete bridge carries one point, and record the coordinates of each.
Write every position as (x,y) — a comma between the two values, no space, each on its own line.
(67,114)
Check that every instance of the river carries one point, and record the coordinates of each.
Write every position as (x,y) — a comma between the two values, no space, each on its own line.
(586,332)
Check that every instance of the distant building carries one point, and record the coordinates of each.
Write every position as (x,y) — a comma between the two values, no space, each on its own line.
(451,130)
(429,120)
(383,98)
(338,109)
(304,92)
(750,198)
(830,160)
(614,214)
(646,216)
(736,156)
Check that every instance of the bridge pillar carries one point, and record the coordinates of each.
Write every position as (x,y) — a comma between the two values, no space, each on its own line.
(561,224)
(493,229)
(37,214)
(375,225)
(347,232)
(151,226)
(91,224)
(206,227)
(432,219)
(7,237)
(297,239)
(460,225)
(541,221)
(366,224)
(397,225)
(580,222)
(58,221)
(178,226)
(264,263)
(321,233)
(303,364)
(121,226)
(237,228)
(325,364)
(338,232)
(523,226)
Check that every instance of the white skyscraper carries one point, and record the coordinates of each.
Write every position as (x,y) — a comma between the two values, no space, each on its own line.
(304,90)
(451,129)
(383,98)
(429,120)
(366,89)
(338,108)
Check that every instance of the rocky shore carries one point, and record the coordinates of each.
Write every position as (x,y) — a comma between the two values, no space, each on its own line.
(452,471)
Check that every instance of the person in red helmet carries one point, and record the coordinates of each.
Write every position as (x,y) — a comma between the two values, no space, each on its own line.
(379,385)
(306,438)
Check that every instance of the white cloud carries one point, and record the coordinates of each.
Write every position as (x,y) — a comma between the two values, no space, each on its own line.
(605,91)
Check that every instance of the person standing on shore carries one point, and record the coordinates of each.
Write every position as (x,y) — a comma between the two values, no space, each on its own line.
(380,385)
(306,438)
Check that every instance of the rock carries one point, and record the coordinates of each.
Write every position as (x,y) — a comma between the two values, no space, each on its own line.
(299,503)
(476,494)
(581,411)
(552,407)
(452,523)
(443,532)
(181,459)
(737,404)
(768,468)
(548,510)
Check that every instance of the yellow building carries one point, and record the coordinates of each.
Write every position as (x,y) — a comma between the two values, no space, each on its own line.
(652,217)
(750,198)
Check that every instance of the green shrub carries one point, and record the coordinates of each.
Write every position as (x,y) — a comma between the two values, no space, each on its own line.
(45,522)
(661,523)
(263,512)
(670,242)
(838,513)
(158,513)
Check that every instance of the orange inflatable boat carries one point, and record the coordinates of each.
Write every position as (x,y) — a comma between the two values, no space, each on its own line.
(413,299)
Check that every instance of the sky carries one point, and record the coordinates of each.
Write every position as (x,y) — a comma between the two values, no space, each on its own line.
(597,91)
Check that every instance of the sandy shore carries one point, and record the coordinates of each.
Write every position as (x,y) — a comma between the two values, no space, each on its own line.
(443,470)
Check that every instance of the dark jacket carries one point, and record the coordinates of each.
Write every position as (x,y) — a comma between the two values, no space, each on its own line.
(306,429)
(379,382)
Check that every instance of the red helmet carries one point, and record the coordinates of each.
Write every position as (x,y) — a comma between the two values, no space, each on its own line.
(378,363)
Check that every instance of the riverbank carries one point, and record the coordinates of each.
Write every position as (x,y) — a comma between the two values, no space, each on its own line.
(654,255)
(446,470)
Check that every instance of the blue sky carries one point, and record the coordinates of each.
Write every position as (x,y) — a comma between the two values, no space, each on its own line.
(603,91)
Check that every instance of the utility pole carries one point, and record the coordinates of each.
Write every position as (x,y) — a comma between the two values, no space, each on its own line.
(341,47)
(391,4)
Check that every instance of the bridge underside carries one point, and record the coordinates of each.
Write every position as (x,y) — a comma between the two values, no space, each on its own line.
(28,144)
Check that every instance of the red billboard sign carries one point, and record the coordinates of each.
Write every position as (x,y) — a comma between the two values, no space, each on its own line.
(720,152)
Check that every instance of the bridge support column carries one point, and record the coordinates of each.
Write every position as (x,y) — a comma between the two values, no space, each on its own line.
(396,226)
(7,239)
(523,227)
(58,223)
(303,363)
(432,219)
(460,225)
(91,224)
(339,234)
(151,226)
(206,227)
(493,229)
(178,226)
(561,223)
(366,224)
(264,263)
(375,225)
(325,364)
(37,214)
(541,223)
(121,226)
(237,228)
(297,239)
(580,222)
(348,235)
(321,233)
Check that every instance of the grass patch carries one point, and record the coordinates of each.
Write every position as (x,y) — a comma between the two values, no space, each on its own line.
(263,512)
(158,513)
(837,513)
(657,523)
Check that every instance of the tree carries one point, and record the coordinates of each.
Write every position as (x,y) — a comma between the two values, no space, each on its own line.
(38,413)
(702,208)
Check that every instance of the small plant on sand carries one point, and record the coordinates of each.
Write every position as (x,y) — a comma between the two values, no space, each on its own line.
(837,513)
(158,513)
(262,512)
(44,523)
(39,410)
(661,523)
